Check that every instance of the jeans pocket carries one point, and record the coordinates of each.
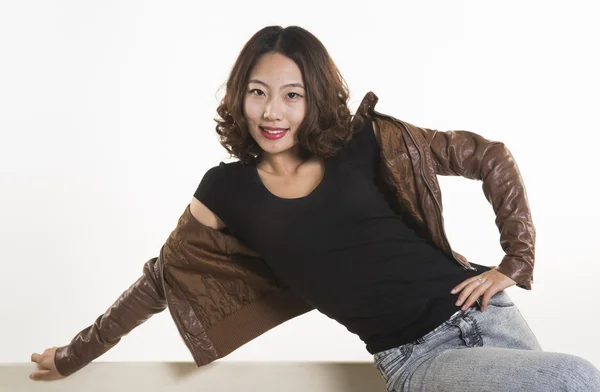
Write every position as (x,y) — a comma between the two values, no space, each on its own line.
(391,362)
(438,330)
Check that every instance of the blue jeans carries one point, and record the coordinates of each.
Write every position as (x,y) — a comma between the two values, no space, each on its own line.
(490,351)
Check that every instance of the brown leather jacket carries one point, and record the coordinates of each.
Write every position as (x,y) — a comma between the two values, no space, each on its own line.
(220,292)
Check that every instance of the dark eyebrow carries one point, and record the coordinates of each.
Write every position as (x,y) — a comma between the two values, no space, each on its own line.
(287,85)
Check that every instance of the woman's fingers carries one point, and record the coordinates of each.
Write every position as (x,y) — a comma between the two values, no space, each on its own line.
(35,357)
(467,288)
(46,367)
(464,284)
(41,375)
(487,296)
(471,293)
(475,294)
(491,282)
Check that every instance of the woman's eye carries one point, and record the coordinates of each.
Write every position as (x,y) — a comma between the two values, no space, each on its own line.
(260,93)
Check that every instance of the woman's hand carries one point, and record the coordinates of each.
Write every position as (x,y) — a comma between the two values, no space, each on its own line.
(486,284)
(46,368)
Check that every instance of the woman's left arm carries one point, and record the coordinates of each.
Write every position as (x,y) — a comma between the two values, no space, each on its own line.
(470,155)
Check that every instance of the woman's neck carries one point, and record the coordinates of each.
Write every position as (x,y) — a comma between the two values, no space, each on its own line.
(280,165)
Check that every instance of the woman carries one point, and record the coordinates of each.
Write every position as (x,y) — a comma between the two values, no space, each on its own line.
(340,213)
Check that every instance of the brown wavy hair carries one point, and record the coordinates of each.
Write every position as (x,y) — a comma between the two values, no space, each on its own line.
(327,126)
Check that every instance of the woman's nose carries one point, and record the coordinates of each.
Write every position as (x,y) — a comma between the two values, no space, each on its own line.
(270,115)
(273,111)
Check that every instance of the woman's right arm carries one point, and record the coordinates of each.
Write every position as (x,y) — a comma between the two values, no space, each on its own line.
(137,304)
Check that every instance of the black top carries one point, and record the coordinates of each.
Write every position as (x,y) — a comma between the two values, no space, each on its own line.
(342,248)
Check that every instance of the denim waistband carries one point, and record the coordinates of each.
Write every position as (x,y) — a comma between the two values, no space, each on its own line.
(458,314)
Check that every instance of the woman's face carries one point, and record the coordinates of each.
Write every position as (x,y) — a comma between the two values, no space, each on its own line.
(275,98)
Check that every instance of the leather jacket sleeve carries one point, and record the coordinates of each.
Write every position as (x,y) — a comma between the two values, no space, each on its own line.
(138,303)
(472,156)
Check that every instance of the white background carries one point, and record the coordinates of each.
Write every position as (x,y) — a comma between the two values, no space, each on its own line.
(106,121)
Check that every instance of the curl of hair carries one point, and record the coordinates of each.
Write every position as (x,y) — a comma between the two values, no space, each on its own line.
(328,124)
